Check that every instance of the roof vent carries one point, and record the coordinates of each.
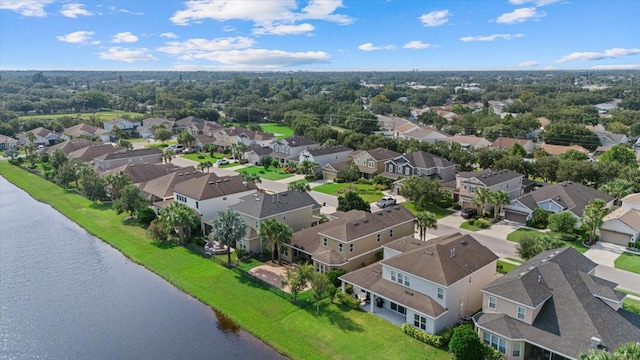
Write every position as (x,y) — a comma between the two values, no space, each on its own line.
(464,243)
(180,174)
(522,273)
(356,224)
(408,293)
(211,182)
(428,253)
(377,271)
(365,221)
(379,213)
(539,278)
(452,253)
(530,268)
(595,342)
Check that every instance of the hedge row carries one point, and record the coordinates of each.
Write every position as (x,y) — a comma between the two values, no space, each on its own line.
(433,340)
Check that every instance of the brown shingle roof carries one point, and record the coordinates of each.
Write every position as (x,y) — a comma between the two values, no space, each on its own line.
(355,224)
(561,149)
(489,177)
(126,153)
(506,142)
(382,154)
(571,195)
(213,186)
(89,153)
(70,146)
(163,186)
(139,173)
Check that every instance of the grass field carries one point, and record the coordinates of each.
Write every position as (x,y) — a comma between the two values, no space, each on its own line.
(334,333)
(504,267)
(517,235)
(629,262)
(366,192)
(440,212)
(194,157)
(467,226)
(281,131)
(102,115)
(270,174)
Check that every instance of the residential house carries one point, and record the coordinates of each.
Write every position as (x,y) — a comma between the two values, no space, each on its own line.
(566,196)
(151,122)
(554,307)
(207,127)
(325,155)
(289,149)
(420,163)
(296,209)
(372,162)
(125,125)
(185,123)
(139,173)
(426,134)
(505,143)
(236,134)
(597,128)
(350,239)
(636,145)
(623,224)
(7,143)
(87,131)
(161,188)
(468,182)
(210,194)
(88,154)
(609,139)
(330,171)
(44,137)
(469,141)
(68,147)
(561,149)
(122,157)
(430,285)
(255,153)
(204,140)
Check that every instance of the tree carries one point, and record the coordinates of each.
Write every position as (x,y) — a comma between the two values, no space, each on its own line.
(254,178)
(168,155)
(117,181)
(497,199)
(562,222)
(130,200)
(465,343)
(574,155)
(531,245)
(158,231)
(186,138)
(297,279)
(228,228)
(619,154)
(308,167)
(125,144)
(425,220)
(319,285)
(299,186)
(275,233)
(93,186)
(630,351)
(162,135)
(618,188)
(66,174)
(517,150)
(205,165)
(237,150)
(58,158)
(483,195)
(546,167)
(180,218)
(349,174)
(352,201)
(421,190)
(592,216)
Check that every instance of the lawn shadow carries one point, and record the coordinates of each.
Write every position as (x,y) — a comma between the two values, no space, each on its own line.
(336,315)
(101,206)
(164,245)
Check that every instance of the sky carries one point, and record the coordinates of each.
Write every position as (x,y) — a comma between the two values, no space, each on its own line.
(319,35)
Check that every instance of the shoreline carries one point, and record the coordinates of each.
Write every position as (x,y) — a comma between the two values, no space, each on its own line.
(293,332)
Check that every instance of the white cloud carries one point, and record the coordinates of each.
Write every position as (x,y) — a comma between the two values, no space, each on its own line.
(617,67)
(535,2)
(592,55)
(26,7)
(435,18)
(519,15)
(126,11)
(264,58)
(416,44)
(491,37)
(284,29)
(228,28)
(371,47)
(274,12)
(124,37)
(190,49)
(169,35)
(73,10)
(78,37)
(529,63)
(127,55)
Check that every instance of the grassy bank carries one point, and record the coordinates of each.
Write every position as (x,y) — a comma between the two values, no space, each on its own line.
(298,333)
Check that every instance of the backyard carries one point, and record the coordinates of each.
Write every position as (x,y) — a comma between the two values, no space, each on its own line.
(281,131)
(437,210)
(367,192)
(519,234)
(270,174)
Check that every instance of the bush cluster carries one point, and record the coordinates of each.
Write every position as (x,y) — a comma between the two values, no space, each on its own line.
(433,340)
(481,223)
(348,301)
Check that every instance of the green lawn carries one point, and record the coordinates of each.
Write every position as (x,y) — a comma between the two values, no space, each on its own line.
(281,131)
(517,235)
(270,174)
(467,226)
(194,157)
(366,192)
(335,333)
(160,145)
(440,212)
(504,267)
(632,305)
(629,262)
(102,115)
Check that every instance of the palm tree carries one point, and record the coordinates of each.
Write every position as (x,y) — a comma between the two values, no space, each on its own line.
(117,181)
(483,195)
(254,178)
(618,188)
(181,218)
(425,220)
(592,217)
(276,233)
(208,165)
(497,199)
(186,138)
(228,229)
(299,186)
(630,351)
(167,155)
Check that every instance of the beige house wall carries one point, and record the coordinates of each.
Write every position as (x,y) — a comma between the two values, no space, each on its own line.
(509,308)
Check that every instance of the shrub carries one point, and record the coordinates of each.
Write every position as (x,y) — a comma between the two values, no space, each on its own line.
(539,219)
(334,274)
(310,177)
(380,187)
(146,216)
(201,156)
(380,255)
(482,224)
(446,335)
(364,181)
(562,222)
(243,161)
(348,289)
(465,343)
(489,353)
(472,222)
(262,172)
(348,300)
(240,253)
(632,245)
(457,206)
(338,180)
(433,340)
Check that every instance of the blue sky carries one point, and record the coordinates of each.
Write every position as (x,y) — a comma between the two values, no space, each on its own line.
(319,35)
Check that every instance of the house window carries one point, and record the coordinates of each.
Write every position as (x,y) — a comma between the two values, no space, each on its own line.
(257,224)
(440,293)
(438,170)
(372,164)
(390,233)
(197,205)
(378,237)
(420,322)
(324,242)
(400,278)
(465,187)
(398,308)
(285,251)
(516,350)
(390,168)
(340,247)
(393,275)
(351,247)
(472,190)
(407,170)
(495,342)
(492,302)
(522,313)
(243,245)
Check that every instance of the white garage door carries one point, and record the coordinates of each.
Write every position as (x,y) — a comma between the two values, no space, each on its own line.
(615,237)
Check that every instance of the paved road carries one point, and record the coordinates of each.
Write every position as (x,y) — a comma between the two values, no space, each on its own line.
(501,247)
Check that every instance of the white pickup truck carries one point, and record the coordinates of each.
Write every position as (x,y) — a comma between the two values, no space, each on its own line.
(386,201)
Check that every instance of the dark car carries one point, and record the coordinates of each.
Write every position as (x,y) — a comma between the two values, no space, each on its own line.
(468,213)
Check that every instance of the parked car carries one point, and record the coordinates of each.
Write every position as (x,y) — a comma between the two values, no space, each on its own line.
(386,201)
(222,161)
(468,213)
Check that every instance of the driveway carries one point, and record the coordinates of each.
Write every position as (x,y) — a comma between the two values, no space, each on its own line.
(604,253)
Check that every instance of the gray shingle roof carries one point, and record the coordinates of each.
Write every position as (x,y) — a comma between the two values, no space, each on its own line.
(139,173)
(425,160)
(297,140)
(571,195)
(356,223)
(489,177)
(69,146)
(263,205)
(213,186)
(126,153)
(325,150)
(572,315)
(163,186)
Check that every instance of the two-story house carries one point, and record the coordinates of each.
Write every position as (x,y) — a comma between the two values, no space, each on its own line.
(43,137)
(121,157)
(139,173)
(372,162)
(350,239)
(185,123)
(468,182)
(236,134)
(554,307)
(566,196)
(289,149)
(161,188)
(420,163)
(430,285)
(325,155)
(296,209)
(210,194)
(125,125)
